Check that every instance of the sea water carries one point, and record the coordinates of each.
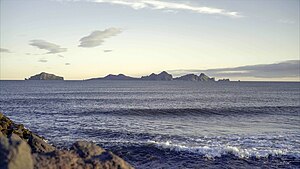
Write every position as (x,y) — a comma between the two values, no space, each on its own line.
(166,124)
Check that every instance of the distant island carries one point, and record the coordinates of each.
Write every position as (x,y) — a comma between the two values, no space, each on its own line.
(45,76)
(193,77)
(115,77)
(163,76)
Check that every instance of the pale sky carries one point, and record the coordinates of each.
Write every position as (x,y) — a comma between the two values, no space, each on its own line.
(92,38)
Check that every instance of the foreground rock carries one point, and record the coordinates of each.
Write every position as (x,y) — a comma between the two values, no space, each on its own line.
(20,148)
(15,153)
(37,143)
(45,76)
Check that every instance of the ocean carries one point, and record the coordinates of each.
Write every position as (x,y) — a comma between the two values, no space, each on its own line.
(166,124)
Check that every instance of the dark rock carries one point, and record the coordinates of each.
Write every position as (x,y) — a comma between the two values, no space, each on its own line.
(70,159)
(97,156)
(36,142)
(20,148)
(59,159)
(45,76)
(86,150)
(161,76)
(14,153)
(81,155)
(38,145)
(223,80)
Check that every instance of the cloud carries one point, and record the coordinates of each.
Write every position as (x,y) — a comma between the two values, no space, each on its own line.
(290,68)
(42,60)
(50,47)
(96,38)
(286,21)
(61,56)
(108,50)
(67,64)
(32,54)
(2,50)
(174,6)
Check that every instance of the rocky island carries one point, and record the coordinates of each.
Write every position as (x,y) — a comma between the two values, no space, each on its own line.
(193,77)
(163,76)
(224,80)
(115,77)
(45,76)
(23,149)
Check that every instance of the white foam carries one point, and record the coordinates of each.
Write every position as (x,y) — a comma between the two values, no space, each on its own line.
(219,150)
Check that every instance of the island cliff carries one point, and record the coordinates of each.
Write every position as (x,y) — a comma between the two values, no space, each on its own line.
(115,77)
(161,76)
(21,148)
(193,77)
(45,76)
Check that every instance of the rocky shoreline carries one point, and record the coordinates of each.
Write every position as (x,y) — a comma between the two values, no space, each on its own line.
(21,148)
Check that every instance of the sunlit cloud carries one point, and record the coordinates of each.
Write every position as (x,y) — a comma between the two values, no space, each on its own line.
(50,47)
(96,38)
(171,6)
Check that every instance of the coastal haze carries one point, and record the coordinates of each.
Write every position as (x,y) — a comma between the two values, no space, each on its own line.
(159,83)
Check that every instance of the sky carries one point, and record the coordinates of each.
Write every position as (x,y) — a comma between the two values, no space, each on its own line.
(254,40)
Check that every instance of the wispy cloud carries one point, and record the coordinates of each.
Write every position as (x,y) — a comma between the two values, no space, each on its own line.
(33,54)
(67,64)
(286,21)
(61,56)
(2,50)
(50,47)
(173,6)
(107,50)
(43,60)
(290,68)
(96,38)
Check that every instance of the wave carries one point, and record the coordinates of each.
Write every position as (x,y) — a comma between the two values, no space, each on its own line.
(221,150)
(168,154)
(282,110)
(209,147)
